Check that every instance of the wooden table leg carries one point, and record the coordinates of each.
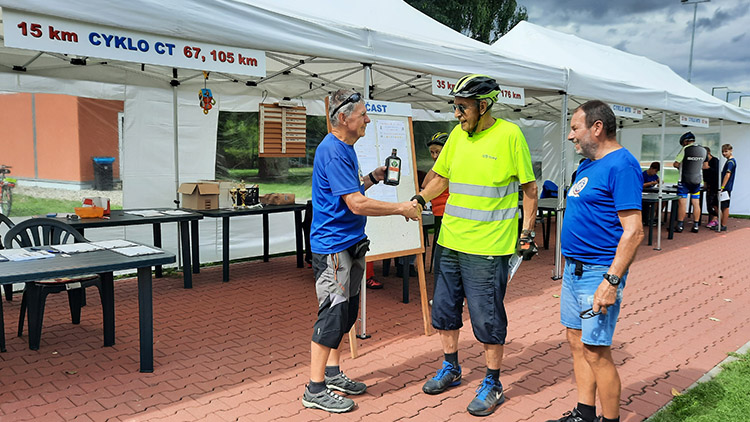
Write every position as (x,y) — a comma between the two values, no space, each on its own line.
(225,248)
(196,246)
(108,308)
(298,236)
(146,319)
(157,243)
(187,267)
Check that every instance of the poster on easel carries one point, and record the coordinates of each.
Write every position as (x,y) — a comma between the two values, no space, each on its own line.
(392,236)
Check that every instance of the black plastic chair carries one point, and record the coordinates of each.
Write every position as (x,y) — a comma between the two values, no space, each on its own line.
(8,289)
(45,232)
(5,221)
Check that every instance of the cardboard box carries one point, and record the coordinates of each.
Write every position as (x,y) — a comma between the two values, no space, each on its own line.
(200,195)
(225,199)
(277,199)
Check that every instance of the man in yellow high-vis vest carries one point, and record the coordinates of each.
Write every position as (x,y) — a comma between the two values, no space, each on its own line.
(484,162)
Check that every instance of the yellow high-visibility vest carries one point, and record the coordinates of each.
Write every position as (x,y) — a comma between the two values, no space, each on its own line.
(485,172)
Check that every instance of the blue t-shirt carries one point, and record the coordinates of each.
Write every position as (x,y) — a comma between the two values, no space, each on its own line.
(731,167)
(335,173)
(591,228)
(647,178)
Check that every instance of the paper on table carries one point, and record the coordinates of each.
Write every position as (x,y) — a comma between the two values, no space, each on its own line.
(175,212)
(116,243)
(136,250)
(76,247)
(24,255)
(145,213)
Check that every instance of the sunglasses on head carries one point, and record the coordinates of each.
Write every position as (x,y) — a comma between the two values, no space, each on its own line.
(354,98)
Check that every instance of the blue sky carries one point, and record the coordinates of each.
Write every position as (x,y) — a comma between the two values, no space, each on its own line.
(660,30)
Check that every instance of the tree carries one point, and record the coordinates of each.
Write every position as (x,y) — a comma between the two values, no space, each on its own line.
(482,20)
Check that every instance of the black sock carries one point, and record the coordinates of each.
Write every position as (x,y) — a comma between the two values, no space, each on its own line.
(679,223)
(610,420)
(588,412)
(452,358)
(494,373)
(332,371)
(316,387)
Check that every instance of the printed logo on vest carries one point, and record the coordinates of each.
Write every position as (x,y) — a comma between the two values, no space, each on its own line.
(578,187)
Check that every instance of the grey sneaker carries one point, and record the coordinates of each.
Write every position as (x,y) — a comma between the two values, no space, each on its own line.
(447,376)
(489,396)
(346,385)
(327,400)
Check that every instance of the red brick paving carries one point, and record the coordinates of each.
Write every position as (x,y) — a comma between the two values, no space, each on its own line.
(240,350)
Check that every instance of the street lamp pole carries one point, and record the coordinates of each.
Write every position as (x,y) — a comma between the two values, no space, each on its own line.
(692,38)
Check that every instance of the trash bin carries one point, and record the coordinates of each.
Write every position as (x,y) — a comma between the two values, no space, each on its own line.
(103,173)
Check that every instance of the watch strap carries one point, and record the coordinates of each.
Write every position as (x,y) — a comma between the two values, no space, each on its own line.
(419,199)
(373,179)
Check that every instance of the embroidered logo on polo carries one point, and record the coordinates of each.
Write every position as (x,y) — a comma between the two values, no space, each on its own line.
(578,187)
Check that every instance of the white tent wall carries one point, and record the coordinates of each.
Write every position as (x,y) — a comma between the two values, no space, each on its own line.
(734,134)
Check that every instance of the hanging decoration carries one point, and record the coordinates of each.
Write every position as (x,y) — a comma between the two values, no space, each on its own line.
(205,96)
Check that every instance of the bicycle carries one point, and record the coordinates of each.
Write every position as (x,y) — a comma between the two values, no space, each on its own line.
(6,190)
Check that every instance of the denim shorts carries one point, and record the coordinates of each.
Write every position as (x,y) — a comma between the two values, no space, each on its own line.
(685,189)
(480,279)
(578,295)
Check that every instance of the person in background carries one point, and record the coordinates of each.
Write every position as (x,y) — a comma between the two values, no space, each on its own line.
(485,161)
(711,183)
(339,245)
(651,175)
(600,235)
(371,282)
(727,182)
(690,162)
(435,145)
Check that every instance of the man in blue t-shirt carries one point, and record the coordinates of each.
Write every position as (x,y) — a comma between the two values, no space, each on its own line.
(651,175)
(727,182)
(339,244)
(600,235)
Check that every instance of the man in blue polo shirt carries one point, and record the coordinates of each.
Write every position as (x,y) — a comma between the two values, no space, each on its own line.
(339,244)
(601,233)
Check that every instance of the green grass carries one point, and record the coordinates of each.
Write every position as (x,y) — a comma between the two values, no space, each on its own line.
(24,205)
(298,182)
(725,398)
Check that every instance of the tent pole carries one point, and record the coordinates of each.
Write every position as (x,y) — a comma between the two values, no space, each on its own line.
(560,210)
(661,179)
(367,71)
(176,163)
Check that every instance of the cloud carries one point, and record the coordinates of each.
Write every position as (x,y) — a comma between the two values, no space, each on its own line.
(722,17)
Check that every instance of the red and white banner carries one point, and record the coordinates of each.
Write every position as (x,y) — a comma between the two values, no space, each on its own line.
(45,33)
(508,94)
(693,121)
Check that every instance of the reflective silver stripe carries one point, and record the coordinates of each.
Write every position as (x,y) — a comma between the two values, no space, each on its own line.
(479,215)
(483,191)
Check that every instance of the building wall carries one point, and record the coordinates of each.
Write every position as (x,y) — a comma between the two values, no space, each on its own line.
(98,133)
(69,132)
(16,136)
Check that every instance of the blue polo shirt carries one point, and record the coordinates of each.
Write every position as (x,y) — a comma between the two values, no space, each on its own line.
(591,228)
(335,173)
(648,178)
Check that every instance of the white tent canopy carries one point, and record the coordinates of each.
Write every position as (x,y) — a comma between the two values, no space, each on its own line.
(611,75)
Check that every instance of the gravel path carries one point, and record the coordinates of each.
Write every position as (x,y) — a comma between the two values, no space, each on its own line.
(115,196)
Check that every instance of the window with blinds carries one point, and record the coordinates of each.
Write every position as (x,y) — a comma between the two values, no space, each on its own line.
(282,131)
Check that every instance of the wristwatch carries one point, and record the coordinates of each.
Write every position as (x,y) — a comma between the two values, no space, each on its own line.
(612,279)
(528,233)
(419,199)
